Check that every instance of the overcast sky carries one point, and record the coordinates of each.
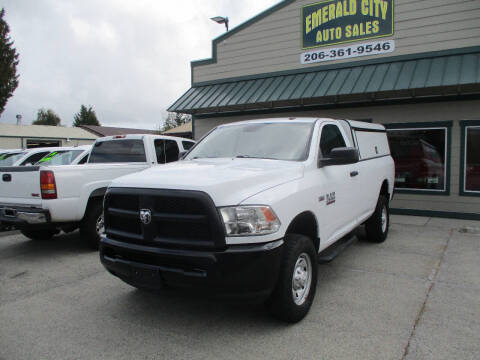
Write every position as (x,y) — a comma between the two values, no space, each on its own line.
(129,59)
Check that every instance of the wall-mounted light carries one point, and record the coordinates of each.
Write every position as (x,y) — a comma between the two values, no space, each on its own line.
(221,20)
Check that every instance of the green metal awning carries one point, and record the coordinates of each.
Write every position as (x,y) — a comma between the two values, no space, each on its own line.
(402,79)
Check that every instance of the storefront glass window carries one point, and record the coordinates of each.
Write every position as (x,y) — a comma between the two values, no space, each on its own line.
(420,156)
(472,159)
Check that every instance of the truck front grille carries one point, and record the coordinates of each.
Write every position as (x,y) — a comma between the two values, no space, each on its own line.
(179,219)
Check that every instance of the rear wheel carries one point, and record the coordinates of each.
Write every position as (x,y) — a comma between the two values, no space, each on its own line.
(92,225)
(40,235)
(295,290)
(377,226)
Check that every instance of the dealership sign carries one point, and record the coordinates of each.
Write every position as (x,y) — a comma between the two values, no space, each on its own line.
(332,22)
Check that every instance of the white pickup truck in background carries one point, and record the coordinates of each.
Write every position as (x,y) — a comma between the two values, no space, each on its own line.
(24,157)
(249,208)
(42,200)
(76,155)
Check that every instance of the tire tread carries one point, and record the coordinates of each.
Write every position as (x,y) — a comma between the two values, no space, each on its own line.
(373,226)
(281,303)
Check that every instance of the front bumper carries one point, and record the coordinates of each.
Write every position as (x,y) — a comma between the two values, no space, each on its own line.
(23,217)
(240,271)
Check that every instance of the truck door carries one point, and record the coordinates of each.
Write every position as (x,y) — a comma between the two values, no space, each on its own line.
(337,203)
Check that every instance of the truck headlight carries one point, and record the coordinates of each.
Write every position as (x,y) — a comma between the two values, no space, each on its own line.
(249,220)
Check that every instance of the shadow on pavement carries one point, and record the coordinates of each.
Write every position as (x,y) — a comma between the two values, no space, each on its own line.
(60,244)
(190,308)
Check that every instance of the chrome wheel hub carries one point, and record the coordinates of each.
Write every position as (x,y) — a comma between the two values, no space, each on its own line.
(384,219)
(302,279)
(100,226)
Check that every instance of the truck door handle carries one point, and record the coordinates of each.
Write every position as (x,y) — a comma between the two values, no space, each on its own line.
(7,177)
(353,173)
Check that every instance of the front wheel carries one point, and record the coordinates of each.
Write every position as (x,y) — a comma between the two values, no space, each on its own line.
(92,226)
(295,290)
(377,225)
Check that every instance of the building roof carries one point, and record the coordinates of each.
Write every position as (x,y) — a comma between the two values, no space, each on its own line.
(110,130)
(184,128)
(402,77)
(45,131)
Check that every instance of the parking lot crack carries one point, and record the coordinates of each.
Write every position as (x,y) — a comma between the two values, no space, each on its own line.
(431,282)
(388,273)
(22,297)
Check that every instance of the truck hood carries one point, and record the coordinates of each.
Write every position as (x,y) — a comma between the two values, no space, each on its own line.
(227,181)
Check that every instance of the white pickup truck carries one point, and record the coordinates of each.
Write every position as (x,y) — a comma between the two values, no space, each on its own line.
(249,208)
(42,200)
(76,155)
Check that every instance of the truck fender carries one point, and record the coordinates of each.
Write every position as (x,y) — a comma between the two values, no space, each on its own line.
(94,195)
(305,224)
(385,190)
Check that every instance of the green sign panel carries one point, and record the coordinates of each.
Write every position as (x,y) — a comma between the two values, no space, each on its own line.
(49,157)
(331,22)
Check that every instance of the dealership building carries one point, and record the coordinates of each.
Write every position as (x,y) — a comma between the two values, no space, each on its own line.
(412,65)
(34,136)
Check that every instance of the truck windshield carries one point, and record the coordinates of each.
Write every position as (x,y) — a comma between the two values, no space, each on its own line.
(60,157)
(278,141)
(9,159)
(118,151)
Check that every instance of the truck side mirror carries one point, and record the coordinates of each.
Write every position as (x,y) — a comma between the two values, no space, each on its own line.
(340,156)
(182,154)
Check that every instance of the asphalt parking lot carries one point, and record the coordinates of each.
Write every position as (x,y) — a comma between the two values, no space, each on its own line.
(417,296)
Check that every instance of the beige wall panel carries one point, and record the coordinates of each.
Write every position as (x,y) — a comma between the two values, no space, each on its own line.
(280,61)
(422,202)
(82,142)
(461,200)
(267,54)
(401,113)
(288,27)
(419,9)
(428,112)
(447,206)
(16,143)
(288,31)
(290,15)
(284,62)
(10,143)
(273,43)
(253,49)
(289,23)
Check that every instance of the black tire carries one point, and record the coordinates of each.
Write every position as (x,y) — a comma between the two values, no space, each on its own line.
(375,230)
(39,235)
(281,303)
(88,227)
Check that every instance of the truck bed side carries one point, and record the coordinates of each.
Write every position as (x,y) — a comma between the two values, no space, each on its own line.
(76,184)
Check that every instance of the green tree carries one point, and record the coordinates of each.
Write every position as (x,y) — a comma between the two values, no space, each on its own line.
(47,117)
(174,120)
(85,117)
(8,64)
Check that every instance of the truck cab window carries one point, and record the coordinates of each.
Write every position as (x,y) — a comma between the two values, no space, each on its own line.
(166,150)
(34,158)
(187,145)
(84,160)
(331,138)
(116,151)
